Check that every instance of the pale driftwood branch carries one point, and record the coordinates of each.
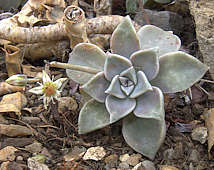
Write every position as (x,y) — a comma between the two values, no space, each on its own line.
(74,67)
(98,25)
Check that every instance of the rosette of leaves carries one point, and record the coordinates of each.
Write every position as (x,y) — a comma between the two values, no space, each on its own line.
(130,82)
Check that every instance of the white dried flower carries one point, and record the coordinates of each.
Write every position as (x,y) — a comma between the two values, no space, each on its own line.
(17,80)
(49,88)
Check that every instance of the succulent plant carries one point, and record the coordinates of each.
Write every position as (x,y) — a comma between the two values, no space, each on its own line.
(130,82)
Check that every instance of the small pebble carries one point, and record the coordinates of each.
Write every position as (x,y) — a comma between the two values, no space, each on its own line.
(124,166)
(7,153)
(200,134)
(94,153)
(134,159)
(19,158)
(124,158)
(76,153)
(148,165)
(35,147)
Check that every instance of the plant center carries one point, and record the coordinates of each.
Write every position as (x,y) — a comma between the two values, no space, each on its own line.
(49,89)
(127,85)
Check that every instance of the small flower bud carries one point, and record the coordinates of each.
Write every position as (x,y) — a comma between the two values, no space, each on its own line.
(17,80)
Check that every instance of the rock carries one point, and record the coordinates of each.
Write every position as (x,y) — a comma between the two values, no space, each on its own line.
(94,153)
(166,167)
(200,134)
(124,166)
(202,12)
(134,159)
(14,130)
(35,147)
(124,158)
(19,158)
(145,165)
(169,21)
(138,167)
(8,153)
(148,165)
(76,153)
(67,104)
(34,163)
(111,161)
(194,156)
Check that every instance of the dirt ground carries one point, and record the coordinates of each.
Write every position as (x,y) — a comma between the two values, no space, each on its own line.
(56,128)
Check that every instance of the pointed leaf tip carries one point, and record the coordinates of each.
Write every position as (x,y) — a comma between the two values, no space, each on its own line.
(124,40)
(85,54)
(144,135)
(93,116)
(178,71)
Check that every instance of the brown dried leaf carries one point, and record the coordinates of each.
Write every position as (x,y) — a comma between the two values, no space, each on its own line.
(44,50)
(13,59)
(13,103)
(8,108)
(18,99)
(14,130)
(31,71)
(6,88)
(209,122)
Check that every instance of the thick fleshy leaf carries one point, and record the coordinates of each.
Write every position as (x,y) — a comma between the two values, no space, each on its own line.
(130,73)
(147,61)
(144,135)
(127,89)
(93,116)
(114,88)
(119,108)
(85,54)
(142,86)
(178,71)
(114,65)
(124,40)
(150,105)
(96,87)
(151,36)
